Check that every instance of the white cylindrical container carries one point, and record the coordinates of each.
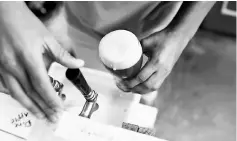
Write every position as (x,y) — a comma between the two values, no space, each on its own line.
(121,53)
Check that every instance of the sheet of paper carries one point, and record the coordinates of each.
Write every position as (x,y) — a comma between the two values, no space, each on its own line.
(14,119)
(73,128)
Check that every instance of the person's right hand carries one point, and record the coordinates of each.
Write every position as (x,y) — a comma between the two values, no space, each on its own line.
(24,44)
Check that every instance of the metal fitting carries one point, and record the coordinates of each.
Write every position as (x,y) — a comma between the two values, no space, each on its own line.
(90,106)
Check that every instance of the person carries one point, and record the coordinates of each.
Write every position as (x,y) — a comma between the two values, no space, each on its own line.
(27,47)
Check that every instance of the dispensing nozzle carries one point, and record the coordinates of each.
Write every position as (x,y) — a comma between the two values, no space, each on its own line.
(76,77)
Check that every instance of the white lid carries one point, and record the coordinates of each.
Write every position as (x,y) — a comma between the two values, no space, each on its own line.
(120,49)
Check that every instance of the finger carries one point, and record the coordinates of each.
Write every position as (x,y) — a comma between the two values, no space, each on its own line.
(3,87)
(50,114)
(22,78)
(61,55)
(73,52)
(30,92)
(140,89)
(154,82)
(123,87)
(158,78)
(147,86)
(120,85)
(18,94)
(47,60)
(37,72)
(148,69)
(149,42)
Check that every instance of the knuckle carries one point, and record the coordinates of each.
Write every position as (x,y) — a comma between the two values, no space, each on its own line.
(27,104)
(48,110)
(122,87)
(154,88)
(51,103)
(8,62)
(166,68)
(61,54)
(29,57)
(158,84)
(141,77)
(150,85)
(30,50)
(3,58)
(39,87)
(29,91)
(34,110)
(166,71)
(38,84)
(154,64)
(155,60)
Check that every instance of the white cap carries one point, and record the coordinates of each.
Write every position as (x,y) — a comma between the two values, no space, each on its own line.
(120,49)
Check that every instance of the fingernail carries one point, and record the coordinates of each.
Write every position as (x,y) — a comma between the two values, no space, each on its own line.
(53,118)
(80,63)
(40,115)
(58,111)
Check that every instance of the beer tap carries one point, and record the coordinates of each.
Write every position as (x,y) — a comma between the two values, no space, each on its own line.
(77,78)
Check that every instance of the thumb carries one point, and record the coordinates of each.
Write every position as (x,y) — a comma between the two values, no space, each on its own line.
(148,43)
(60,55)
(154,39)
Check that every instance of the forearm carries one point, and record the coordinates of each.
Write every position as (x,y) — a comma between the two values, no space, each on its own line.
(10,7)
(10,11)
(189,18)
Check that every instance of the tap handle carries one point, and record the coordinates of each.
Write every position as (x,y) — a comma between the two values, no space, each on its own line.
(76,77)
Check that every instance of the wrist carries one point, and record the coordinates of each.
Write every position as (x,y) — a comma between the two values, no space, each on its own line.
(189,18)
(179,37)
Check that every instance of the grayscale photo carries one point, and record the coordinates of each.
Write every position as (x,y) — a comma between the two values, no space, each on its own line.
(117,70)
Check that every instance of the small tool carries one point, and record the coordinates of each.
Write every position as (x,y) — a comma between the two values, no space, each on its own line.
(77,78)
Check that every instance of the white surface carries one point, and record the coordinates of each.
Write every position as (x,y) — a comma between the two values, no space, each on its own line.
(142,115)
(113,103)
(120,49)
(72,128)
(9,110)
(7,137)
(113,106)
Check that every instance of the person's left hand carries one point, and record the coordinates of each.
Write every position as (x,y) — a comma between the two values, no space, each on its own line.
(163,50)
